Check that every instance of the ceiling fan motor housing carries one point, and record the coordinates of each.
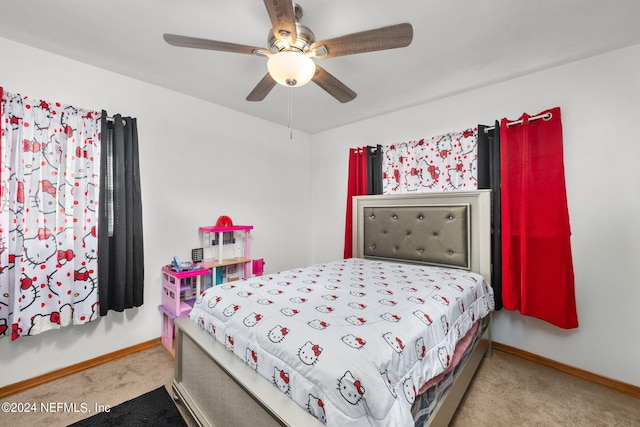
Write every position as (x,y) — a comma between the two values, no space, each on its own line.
(302,43)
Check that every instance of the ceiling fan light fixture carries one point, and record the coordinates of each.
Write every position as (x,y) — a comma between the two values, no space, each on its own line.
(291,68)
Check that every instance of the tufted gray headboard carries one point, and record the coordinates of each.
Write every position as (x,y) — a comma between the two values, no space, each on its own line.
(446,229)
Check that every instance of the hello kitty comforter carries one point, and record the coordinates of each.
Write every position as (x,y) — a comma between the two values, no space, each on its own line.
(350,341)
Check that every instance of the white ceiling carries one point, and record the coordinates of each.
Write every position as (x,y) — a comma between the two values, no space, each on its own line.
(458,45)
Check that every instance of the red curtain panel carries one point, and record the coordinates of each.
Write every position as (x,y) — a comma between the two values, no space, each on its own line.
(357,186)
(537,265)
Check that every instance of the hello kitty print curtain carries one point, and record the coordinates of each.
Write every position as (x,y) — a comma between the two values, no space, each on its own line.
(445,162)
(50,161)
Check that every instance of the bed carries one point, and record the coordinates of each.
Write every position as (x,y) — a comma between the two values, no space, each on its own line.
(415,287)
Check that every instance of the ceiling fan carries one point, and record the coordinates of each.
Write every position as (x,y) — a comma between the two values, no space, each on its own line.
(291,47)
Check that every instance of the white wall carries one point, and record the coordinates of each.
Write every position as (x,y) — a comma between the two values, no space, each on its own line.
(198,161)
(600,102)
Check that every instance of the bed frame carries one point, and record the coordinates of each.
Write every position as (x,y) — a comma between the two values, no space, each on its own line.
(449,229)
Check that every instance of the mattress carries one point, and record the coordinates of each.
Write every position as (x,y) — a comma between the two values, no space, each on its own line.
(351,341)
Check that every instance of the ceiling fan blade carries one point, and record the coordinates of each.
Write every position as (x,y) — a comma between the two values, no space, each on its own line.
(390,37)
(194,42)
(262,89)
(333,86)
(283,21)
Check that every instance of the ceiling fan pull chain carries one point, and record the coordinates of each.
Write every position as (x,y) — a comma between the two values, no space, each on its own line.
(290,112)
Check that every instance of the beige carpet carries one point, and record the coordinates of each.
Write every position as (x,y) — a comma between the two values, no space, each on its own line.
(510,391)
(507,391)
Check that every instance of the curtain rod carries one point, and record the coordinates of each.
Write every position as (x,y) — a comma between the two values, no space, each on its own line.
(110,119)
(545,116)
